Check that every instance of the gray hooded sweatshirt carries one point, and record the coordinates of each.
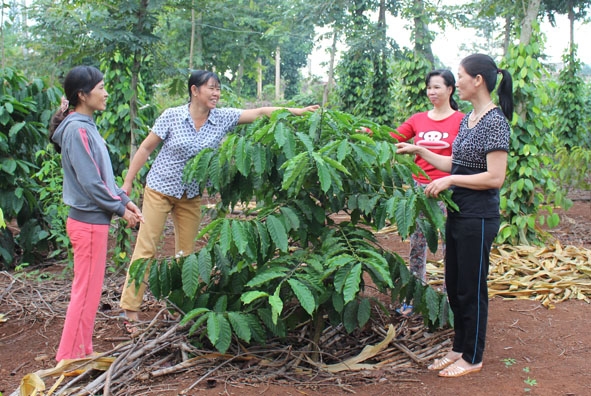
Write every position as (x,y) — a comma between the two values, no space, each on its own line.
(89,183)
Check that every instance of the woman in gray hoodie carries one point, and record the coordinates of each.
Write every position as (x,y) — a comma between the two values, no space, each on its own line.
(90,191)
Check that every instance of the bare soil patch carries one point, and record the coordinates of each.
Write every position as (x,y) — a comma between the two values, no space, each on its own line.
(530,349)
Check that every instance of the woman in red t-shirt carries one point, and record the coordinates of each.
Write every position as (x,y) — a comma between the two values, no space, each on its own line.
(436,130)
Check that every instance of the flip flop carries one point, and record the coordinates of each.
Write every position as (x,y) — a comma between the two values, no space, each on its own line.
(440,364)
(130,327)
(405,310)
(455,371)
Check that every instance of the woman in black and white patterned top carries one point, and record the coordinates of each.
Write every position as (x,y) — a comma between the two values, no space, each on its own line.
(183,132)
(477,165)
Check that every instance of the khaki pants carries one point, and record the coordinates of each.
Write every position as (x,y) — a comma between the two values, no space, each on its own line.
(186,217)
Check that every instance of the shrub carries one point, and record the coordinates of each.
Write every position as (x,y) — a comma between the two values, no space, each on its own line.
(25,110)
(287,260)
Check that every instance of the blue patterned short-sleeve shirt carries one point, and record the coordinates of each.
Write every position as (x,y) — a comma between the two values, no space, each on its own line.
(181,142)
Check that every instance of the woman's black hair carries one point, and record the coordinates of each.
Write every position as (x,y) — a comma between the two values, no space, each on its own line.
(201,77)
(485,66)
(448,79)
(79,79)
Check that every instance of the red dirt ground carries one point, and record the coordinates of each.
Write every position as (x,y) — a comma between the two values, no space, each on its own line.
(530,350)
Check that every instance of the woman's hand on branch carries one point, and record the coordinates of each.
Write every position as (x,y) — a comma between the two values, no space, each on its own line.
(407,148)
(434,188)
(298,111)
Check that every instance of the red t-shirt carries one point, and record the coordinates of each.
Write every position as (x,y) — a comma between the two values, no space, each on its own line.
(437,136)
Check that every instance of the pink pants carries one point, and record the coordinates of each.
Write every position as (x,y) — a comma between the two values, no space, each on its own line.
(89,243)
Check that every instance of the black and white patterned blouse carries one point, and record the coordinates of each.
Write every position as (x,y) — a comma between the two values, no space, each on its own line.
(181,142)
(469,152)
(472,145)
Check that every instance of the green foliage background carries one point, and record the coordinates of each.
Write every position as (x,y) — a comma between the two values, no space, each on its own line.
(24,115)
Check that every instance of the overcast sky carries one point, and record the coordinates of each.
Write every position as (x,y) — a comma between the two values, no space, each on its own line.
(446,45)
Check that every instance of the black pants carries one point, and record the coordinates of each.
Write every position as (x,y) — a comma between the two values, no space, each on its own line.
(467,259)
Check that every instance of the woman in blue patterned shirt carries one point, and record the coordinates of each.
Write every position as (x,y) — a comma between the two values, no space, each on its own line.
(477,165)
(183,132)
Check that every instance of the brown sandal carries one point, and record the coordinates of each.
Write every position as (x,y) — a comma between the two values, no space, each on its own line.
(130,327)
(454,371)
(440,364)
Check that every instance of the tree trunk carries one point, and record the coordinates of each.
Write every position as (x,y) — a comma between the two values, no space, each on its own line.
(533,9)
(330,82)
(507,35)
(260,79)
(571,19)
(24,25)
(192,42)
(239,77)
(135,76)
(199,41)
(133,104)
(2,37)
(382,14)
(422,39)
(278,73)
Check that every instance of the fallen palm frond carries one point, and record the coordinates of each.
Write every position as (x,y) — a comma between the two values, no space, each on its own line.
(549,274)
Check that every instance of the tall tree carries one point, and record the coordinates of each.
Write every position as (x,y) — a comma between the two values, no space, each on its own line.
(128,29)
(293,34)
(67,33)
(349,21)
(423,38)
(414,64)
(574,9)
(333,16)
(531,15)
(570,109)
(505,16)
(379,99)
(364,73)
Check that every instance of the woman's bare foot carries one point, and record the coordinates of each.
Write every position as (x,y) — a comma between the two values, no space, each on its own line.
(132,316)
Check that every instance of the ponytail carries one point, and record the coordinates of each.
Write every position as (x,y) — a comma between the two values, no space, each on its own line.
(453,103)
(505,93)
(57,119)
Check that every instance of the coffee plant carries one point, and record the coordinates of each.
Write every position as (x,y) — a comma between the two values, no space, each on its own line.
(285,259)
(25,109)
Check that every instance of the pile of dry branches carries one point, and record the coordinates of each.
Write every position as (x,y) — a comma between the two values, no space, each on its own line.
(161,348)
(550,274)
